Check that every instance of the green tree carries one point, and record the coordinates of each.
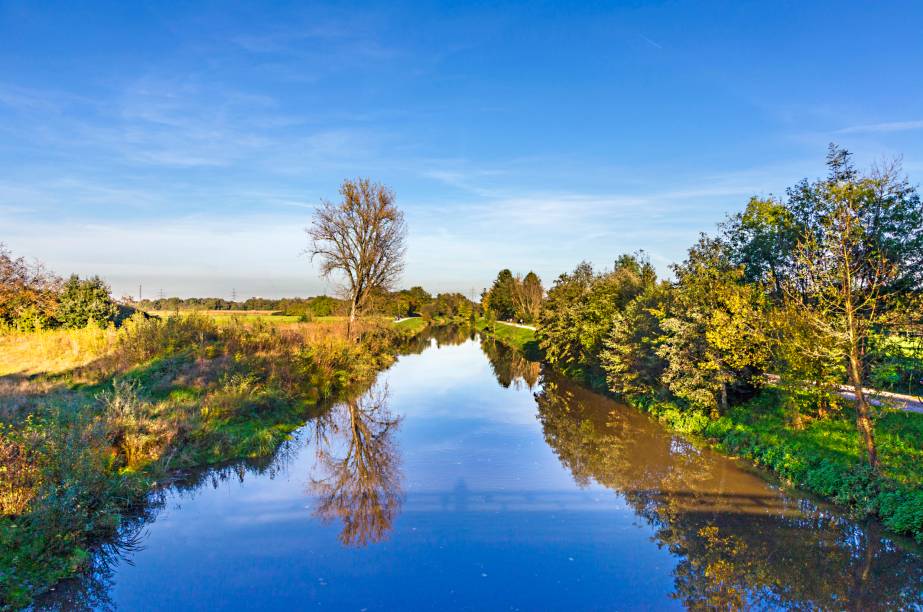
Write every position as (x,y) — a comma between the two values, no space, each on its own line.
(578,314)
(84,301)
(808,363)
(558,332)
(715,340)
(417,298)
(858,266)
(762,239)
(449,306)
(500,297)
(630,359)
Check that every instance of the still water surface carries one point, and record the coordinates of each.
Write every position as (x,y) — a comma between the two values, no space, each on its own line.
(467,479)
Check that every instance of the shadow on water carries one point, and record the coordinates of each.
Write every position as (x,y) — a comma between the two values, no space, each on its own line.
(738,541)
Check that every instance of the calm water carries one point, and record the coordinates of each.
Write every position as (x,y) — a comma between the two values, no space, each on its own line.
(464,479)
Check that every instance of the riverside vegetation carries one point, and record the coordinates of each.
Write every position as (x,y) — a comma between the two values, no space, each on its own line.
(751,344)
(86,438)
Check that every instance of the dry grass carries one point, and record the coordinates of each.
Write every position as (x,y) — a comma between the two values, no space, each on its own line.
(18,476)
(211,313)
(53,351)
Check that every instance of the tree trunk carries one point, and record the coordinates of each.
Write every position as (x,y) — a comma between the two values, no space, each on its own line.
(863,417)
(351,320)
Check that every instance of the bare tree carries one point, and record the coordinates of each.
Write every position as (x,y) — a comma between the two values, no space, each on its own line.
(360,240)
(527,296)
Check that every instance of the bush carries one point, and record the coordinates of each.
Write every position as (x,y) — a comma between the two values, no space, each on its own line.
(85,301)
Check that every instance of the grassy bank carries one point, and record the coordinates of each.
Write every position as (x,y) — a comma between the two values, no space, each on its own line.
(821,455)
(519,338)
(412,325)
(87,432)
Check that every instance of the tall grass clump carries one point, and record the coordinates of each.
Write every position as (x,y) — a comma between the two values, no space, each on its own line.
(51,351)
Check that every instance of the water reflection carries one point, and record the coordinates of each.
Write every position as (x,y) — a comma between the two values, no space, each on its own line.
(484,488)
(440,335)
(509,366)
(740,543)
(358,465)
(92,589)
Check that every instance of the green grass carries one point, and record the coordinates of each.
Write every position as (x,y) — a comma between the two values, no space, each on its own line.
(413,325)
(223,317)
(516,337)
(824,455)
(251,318)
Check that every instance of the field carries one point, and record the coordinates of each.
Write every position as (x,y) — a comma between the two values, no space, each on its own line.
(53,351)
(226,316)
(268,316)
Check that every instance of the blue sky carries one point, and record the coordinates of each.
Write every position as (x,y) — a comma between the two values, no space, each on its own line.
(184,145)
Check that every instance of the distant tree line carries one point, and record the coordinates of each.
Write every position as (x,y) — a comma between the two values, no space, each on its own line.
(320,306)
(413,302)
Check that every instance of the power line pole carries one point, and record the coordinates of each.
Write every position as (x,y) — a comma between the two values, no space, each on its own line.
(234,294)
(139,292)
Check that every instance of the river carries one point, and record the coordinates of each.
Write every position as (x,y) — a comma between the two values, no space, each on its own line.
(468,478)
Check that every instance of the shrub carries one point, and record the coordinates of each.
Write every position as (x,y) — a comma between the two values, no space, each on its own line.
(85,301)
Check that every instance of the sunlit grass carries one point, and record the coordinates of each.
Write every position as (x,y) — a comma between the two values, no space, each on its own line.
(53,351)
(414,324)
(519,338)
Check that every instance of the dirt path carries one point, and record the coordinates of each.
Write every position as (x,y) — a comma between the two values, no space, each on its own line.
(878,398)
(911,403)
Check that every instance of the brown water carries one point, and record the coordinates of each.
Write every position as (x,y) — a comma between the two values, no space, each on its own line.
(467,478)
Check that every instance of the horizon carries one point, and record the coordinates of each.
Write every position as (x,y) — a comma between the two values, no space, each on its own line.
(185,148)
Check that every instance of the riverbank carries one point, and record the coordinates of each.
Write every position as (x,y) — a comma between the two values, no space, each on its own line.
(822,455)
(88,431)
(515,336)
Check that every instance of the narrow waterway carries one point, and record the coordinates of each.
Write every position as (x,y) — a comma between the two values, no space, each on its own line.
(468,479)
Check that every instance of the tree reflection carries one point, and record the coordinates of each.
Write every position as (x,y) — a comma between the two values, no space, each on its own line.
(359,467)
(509,366)
(444,335)
(739,542)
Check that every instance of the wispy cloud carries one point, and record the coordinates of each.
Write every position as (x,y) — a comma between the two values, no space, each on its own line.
(880,128)
(651,42)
